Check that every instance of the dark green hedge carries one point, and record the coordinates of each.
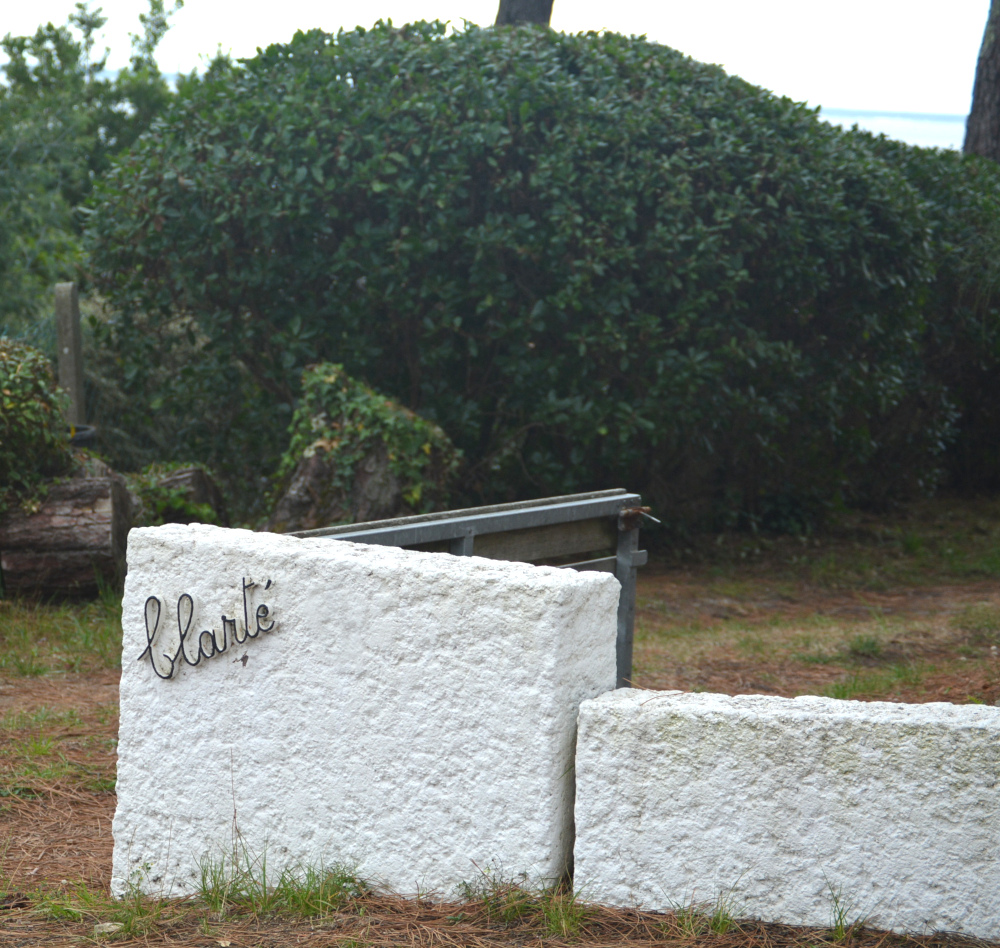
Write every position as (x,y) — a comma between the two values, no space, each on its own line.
(592,260)
(961,201)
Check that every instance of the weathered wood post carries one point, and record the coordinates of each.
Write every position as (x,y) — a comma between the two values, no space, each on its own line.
(70,350)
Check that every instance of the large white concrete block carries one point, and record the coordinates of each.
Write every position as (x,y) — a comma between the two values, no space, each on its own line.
(791,810)
(410,714)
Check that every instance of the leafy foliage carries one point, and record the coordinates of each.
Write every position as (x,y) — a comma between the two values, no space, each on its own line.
(346,421)
(961,196)
(61,122)
(590,259)
(33,442)
(160,501)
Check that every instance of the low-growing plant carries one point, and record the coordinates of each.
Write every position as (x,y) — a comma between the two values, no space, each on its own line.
(876,683)
(505,897)
(33,441)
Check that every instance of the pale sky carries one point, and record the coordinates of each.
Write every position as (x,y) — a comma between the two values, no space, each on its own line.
(878,55)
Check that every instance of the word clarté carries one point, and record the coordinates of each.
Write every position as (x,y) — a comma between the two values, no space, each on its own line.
(167,643)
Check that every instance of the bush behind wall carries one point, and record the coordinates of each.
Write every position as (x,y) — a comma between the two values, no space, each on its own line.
(591,260)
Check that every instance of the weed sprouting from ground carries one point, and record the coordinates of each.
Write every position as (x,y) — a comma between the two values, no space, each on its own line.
(845,922)
(563,912)
(504,898)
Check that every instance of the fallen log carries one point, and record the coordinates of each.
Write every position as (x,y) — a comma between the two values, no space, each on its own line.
(72,543)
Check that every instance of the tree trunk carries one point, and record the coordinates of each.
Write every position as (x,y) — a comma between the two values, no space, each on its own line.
(512,12)
(74,541)
(982,130)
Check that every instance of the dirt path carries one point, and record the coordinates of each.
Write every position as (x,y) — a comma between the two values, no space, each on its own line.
(58,739)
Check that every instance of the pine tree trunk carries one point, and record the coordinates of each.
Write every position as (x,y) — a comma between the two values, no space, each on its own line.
(71,543)
(512,12)
(982,130)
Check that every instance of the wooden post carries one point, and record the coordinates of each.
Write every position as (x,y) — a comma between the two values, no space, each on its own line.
(70,350)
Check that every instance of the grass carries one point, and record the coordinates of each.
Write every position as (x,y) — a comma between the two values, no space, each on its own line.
(510,900)
(698,919)
(981,621)
(930,542)
(877,683)
(44,638)
(240,882)
(237,905)
(897,607)
(49,746)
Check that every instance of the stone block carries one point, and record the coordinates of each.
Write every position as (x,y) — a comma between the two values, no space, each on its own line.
(411,715)
(792,810)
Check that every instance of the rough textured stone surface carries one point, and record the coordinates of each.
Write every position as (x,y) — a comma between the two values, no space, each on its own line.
(408,713)
(787,808)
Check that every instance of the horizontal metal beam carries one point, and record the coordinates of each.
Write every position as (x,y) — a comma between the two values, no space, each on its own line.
(343,528)
(410,531)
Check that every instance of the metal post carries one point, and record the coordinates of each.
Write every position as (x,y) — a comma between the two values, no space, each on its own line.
(625,572)
(70,350)
(462,546)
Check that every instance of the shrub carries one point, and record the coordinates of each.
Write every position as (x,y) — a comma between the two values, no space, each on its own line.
(33,442)
(341,426)
(591,260)
(175,493)
(961,201)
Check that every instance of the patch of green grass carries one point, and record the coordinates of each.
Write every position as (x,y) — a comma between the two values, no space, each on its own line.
(753,644)
(564,914)
(241,882)
(817,658)
(865,646)
(22,720)
(101,784)
(980,621)
(700,918)
(876,683)
(41,638)
(511,900)
(139,914)
(505,899)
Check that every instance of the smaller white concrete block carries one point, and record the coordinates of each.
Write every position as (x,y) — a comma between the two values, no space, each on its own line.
(409,714)
(792,809)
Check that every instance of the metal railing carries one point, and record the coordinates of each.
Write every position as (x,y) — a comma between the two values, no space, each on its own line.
(556,531)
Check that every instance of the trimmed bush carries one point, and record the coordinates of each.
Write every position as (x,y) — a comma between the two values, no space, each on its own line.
(961,201)
(591,260)
(33,441)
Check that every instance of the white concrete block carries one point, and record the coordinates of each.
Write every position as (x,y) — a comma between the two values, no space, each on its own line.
(788,808)
(410,714)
